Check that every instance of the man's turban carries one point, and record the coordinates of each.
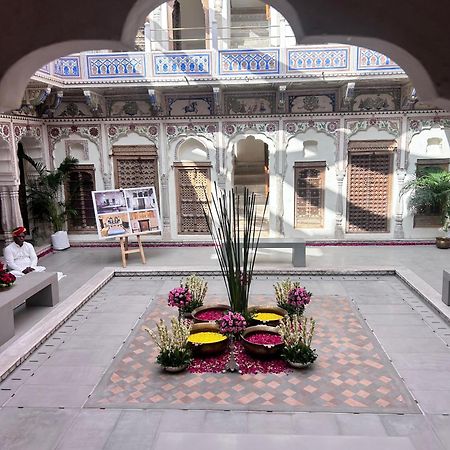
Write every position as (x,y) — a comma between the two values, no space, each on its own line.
(19,230)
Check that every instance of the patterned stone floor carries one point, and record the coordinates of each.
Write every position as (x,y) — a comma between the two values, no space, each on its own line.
(352,373)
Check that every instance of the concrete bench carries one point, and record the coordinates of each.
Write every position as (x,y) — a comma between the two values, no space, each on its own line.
(298,246)
(446,287)
(33,289)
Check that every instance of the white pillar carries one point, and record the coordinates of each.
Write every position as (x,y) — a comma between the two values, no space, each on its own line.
(6,213)
(16,216)
(398,227)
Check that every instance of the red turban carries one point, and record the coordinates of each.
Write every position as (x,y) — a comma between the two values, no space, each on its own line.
(18,230)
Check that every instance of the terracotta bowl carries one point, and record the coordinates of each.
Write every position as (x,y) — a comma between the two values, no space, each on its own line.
(267,309)
(222,308)
(207,348)
(261,350)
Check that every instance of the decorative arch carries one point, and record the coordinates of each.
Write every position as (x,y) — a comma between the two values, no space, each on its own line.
(294,129)
(178,150)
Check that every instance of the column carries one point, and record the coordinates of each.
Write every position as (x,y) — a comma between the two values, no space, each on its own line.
(166,234)
(398,227)
(16,215)
(339,230)
(6,213)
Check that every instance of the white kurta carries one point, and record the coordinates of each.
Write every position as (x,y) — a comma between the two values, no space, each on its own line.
(19,258)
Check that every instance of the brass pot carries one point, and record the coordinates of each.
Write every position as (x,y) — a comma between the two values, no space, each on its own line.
(224,308)
(207,349)
(267,309)
(261,350)
(443,242)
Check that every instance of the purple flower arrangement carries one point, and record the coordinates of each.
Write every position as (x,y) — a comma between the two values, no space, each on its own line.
(298,297)
(180,297)
(232,323)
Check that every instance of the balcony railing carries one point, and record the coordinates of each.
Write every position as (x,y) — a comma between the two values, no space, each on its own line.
(298,61)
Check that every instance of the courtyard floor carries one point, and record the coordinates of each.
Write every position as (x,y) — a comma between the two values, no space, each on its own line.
(382,379)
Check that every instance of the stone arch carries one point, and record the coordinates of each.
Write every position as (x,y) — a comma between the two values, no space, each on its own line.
(310,26)
(191,149)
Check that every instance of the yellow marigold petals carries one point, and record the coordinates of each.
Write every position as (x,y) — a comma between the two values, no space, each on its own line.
(267,317)
(206,337)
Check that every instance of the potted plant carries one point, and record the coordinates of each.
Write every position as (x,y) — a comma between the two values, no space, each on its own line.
(45,198)
(6,279)
(297,333)
(431,192)
(174,352)
(232,222)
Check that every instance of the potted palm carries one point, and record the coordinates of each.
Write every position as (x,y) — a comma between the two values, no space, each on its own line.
(431,192)
(45,198)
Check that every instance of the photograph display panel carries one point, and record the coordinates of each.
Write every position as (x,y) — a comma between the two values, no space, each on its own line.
(122,212)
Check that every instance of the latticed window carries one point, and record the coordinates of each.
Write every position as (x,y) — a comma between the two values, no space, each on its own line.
(309,194)
(369,185)
(79,185)
(135,166)
(193,190)
(427,217)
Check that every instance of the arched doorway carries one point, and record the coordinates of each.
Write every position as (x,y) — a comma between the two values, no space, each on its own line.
(251,170)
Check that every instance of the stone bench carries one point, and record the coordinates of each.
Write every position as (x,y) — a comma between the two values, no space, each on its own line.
(33,289)
(298,246)
(446,287)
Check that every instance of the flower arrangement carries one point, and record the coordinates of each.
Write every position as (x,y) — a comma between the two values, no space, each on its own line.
(6,279)
(198,288)
(232,323)
(297,333)
(291,296)
(180,298)
(173,344)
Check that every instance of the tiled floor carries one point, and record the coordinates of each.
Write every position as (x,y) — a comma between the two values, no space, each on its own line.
(47,402)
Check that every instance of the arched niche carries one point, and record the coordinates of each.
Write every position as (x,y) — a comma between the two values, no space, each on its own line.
(192,150)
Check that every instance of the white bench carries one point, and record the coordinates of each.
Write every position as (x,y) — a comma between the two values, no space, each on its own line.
(36,288)
(298,246)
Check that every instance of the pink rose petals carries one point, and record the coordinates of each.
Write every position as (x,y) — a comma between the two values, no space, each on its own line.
(210,314)
(249,365)
(210,364)
(264,338)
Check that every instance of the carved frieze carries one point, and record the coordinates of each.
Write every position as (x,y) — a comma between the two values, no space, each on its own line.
(236,104)
(311,103)
(189,106)
(150,131)
(207,130)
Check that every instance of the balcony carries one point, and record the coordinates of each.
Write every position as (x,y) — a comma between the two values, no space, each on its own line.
(156,67)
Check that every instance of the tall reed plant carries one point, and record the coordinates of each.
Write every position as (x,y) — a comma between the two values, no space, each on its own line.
(234,226)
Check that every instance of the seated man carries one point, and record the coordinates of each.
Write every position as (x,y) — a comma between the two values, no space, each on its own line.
(20,256)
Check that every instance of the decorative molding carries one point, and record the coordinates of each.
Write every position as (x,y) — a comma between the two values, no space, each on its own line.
(312,103)
(5,131)
(116,65)
(318,59)
(328,127)
(191,105)
(371,60)
(249,103)
(67,67)
(151,132)
(21,130)
(255,62)
(231,129)
(182,64)
(415,126)
(207,130)
(391,126)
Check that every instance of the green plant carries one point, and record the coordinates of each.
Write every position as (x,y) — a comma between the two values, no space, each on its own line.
(44,192)
(198,288)
(232,222)
(173,344)
(430,192)
(297,333)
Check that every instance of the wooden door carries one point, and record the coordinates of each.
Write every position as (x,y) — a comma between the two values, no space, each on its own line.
(193,190)
(368,198)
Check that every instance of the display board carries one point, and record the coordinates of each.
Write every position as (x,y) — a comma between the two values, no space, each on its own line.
(124,212)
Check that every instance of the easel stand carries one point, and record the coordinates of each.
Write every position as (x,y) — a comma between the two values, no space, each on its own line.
(125,250)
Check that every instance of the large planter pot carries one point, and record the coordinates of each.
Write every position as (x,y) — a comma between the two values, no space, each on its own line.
(267,309)
(202,310)
(211,348)
(443,242)
(60,240)
(177,369)
(261,350)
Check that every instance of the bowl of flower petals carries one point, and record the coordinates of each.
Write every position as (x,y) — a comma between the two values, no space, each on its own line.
(206,339)
(267,315)
(209,313)
(262,341)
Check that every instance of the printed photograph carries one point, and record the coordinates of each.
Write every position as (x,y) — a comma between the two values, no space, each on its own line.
(110,201)
(139,199)
(113,224)
(144,221)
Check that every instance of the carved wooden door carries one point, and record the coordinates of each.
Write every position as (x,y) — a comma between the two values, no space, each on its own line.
(135,166)
(193,189)
(309,194)
(368,192)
